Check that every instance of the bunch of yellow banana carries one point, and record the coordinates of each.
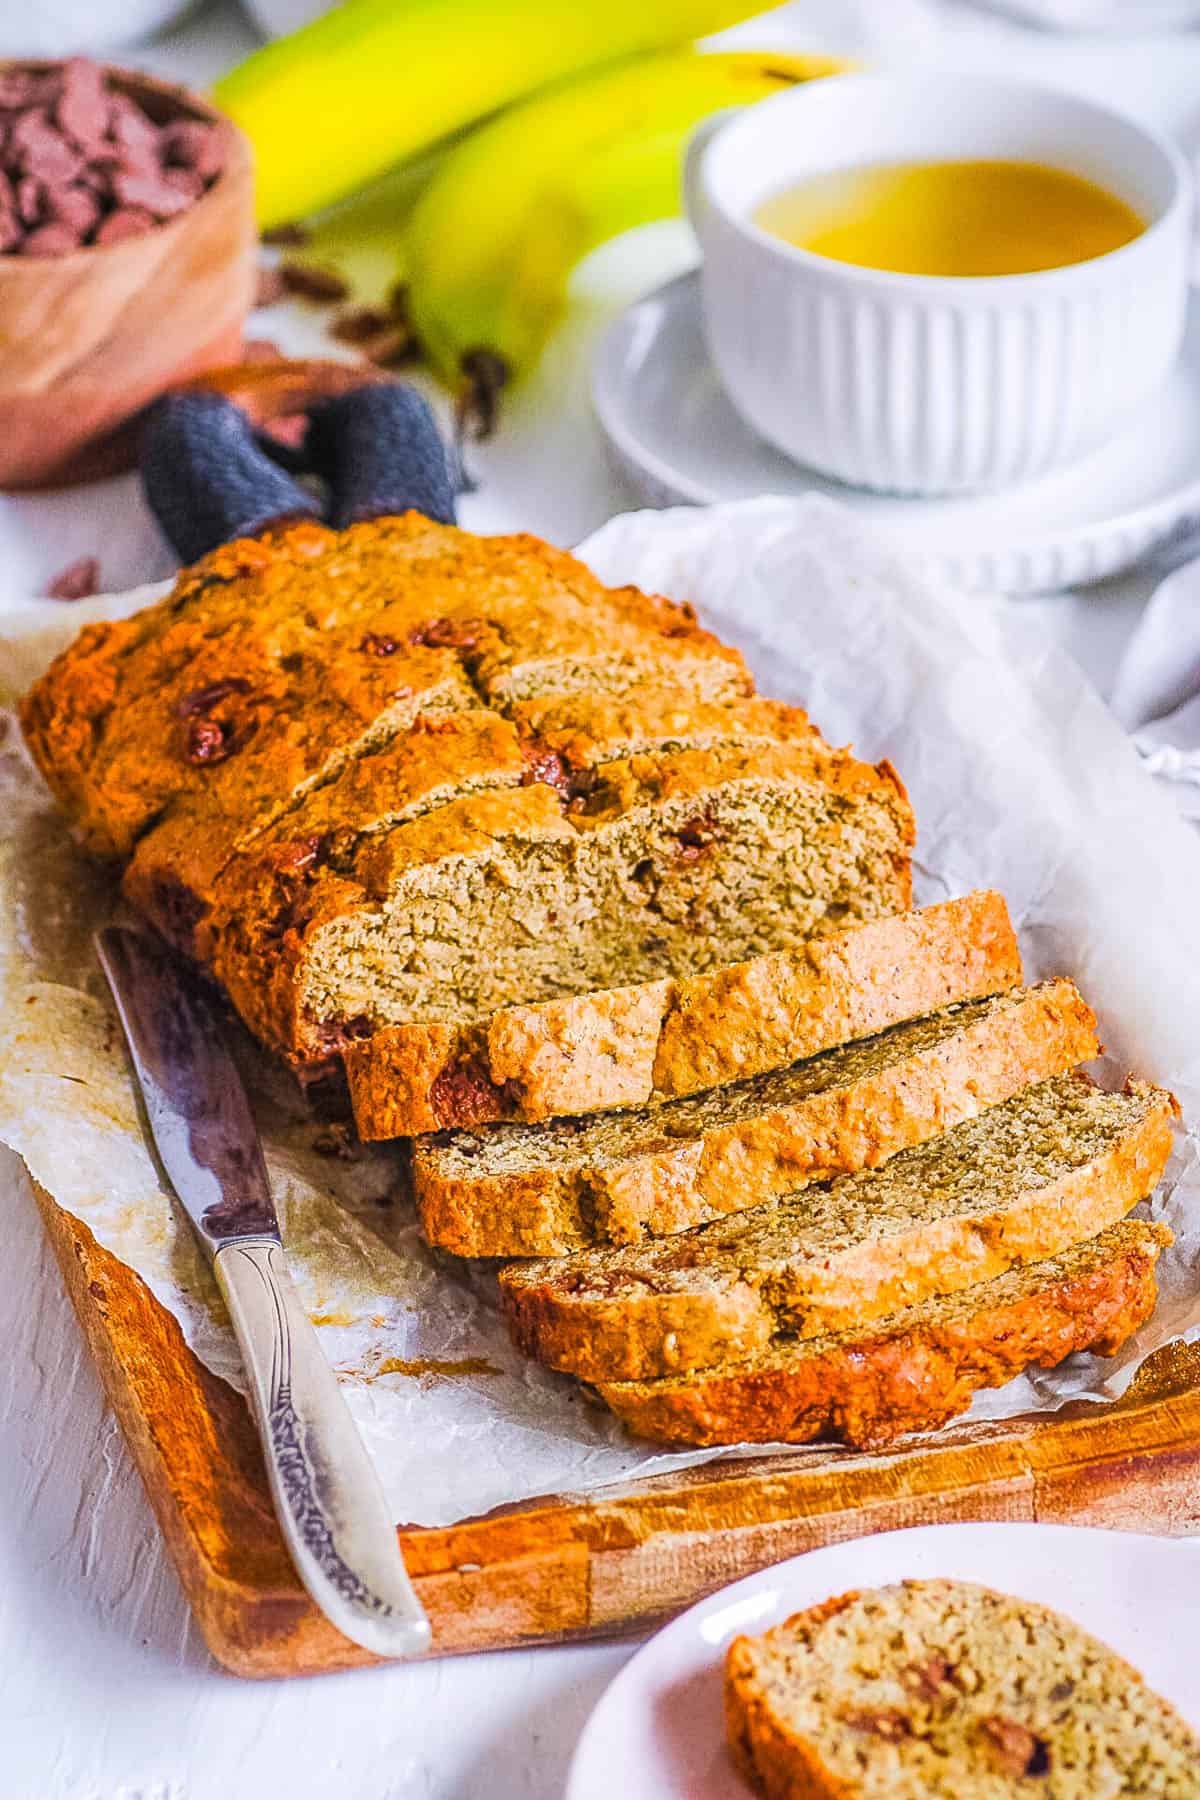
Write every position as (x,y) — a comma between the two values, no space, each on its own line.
(374,81)
(511,209)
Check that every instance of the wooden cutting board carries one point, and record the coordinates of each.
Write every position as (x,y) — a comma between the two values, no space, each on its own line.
(572,1566)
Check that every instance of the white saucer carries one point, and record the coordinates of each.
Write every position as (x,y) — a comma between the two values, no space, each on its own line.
(677,439)
(657,1732)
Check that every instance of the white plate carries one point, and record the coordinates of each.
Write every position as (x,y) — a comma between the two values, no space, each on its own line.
(657,1732)
(676,438)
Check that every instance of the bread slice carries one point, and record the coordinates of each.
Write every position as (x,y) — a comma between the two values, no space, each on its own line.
(943,1690)
(667,863)
(437,754)
(916,1368)
(642,1044)
(545,1190)
(1022,1182)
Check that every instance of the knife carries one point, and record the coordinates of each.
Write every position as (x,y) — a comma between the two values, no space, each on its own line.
(331,1507)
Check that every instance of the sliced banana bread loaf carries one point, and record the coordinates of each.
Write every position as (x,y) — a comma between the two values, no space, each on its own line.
(917,1367)
(942,1690)
(627,1046)
(1023,1181)
(545,1190)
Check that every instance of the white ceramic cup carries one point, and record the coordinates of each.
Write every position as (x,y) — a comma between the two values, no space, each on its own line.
(935,384)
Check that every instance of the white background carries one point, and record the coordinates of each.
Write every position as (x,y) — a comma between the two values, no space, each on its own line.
(106,1692)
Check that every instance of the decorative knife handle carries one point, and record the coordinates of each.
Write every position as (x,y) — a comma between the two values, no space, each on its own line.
(330,1504)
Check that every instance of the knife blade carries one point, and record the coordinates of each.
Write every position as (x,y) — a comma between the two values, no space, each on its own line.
(330,1504)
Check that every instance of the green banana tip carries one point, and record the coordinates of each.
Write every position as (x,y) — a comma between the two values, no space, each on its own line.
(484,376)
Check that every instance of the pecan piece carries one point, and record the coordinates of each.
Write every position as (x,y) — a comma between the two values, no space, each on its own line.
(928,1680)
(1014,1749)
(377,644)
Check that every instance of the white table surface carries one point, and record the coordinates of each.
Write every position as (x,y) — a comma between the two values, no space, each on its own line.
(106,1692)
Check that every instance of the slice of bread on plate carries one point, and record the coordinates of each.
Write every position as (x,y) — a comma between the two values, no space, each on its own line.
(945,1690)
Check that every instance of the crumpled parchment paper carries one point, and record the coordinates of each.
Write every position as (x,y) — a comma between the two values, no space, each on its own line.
(1020,780)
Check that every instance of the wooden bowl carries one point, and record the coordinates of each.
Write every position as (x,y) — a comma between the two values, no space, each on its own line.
(87,340)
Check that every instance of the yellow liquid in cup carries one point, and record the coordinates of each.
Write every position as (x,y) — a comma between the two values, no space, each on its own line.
(951,218)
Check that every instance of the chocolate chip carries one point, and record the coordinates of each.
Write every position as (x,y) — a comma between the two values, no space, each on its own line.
(449,634)
(397,345)
(83,108)
(308,282)
(29,194)
(77,581)
(201,700)
(185,182)
(35,147)
(75,206)
(151,190)
(545,766)
(127,222)
(207,741)
(133,132)
(463,1093)
(269,287)
(19,88)
(358,324)
(191,144)
(287,236)
(50,240)
(696,837)
(301,855)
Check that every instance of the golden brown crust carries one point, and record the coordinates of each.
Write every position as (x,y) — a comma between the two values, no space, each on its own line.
(915,1370)
(314,635)
(776,1761)
(758,1015)
(670,1173)
(712,1295)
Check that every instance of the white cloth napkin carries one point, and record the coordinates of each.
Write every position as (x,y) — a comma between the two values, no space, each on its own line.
(1156,695)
